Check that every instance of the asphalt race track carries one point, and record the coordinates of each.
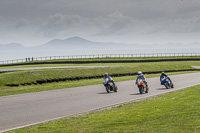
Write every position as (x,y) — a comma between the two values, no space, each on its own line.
(28,109)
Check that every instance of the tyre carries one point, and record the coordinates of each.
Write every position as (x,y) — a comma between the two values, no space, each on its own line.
(115,90)
(167,86)
(141,89)
(108,89)
(172,86)
(147,90)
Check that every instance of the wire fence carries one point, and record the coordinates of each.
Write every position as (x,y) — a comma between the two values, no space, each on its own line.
(30,59)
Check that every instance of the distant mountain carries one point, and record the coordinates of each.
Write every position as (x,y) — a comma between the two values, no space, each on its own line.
(78,43)
(68,41)
(72,43)
(11,46)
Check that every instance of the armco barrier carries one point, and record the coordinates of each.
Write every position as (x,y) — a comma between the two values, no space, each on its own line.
(92,77)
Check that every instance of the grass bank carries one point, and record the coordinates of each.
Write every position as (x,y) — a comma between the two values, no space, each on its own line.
(31,76)
(170,113)
(6,90)
(19,77)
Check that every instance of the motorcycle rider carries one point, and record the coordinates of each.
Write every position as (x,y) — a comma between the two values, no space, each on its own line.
(109,78)
(140,75)
(164,75)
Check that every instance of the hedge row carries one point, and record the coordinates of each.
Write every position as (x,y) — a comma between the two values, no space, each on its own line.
(91,77)
(109,61)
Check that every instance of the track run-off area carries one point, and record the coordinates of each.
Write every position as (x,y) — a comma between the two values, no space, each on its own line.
(33,108)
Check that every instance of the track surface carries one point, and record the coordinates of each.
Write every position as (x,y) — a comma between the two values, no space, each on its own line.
(27,109)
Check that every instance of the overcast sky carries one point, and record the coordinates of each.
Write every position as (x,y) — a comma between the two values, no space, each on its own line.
(34,22)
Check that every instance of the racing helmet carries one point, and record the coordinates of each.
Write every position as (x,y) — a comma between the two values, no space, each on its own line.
(106,74)
(139,73)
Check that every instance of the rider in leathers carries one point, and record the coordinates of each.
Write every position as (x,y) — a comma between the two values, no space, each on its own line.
(109,78)
(140,75)
(164,75)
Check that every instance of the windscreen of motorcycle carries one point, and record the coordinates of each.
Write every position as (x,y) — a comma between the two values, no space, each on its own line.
(105,80)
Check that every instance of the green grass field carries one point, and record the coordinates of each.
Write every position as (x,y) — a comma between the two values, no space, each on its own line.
(33,75)
(19,77)
(170,113)
(176,112)
(5,90)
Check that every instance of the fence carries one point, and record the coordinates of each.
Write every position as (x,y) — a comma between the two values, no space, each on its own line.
(29,59)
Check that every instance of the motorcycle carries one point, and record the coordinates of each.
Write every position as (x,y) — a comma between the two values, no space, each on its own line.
(109,85)
(166,82)
(142,86)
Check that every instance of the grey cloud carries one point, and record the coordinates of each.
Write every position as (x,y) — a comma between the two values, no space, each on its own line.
(49,19)
(110,24)
(19,24)
(59,23)
(137,8)
(115,23)
(179,25)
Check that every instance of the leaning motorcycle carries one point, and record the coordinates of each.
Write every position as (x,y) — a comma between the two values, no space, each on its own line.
(166,82)
(109,85)
(142,86)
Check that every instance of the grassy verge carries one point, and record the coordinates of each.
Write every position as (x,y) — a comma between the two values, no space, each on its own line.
(5,90)
(56,65)
(170,113)
(33,75)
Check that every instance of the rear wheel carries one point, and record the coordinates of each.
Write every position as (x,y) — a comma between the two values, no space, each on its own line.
(172,86)
(147,90)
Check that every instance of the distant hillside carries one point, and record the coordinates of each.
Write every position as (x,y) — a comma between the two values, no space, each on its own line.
(78,43)
(68,42)
(11,46)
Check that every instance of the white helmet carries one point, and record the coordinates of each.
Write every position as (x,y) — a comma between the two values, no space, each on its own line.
(139,73)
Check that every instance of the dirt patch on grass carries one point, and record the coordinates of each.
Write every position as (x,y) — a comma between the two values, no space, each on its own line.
(35,74)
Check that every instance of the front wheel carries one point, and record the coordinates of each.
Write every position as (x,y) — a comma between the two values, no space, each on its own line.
(167,86)
(108,89)
(141,89)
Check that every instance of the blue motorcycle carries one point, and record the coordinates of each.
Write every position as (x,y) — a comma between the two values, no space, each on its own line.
(109,85)
(166,82)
